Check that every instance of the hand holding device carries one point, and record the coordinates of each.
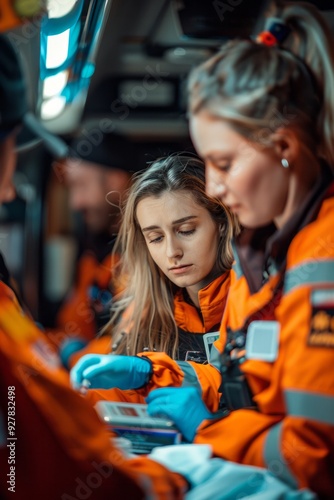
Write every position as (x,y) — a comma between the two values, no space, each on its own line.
(106,371)
(131,421)
(183,405)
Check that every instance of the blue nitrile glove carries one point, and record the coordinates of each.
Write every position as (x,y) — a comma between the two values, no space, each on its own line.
(105,371)
(69,347)
(183,405)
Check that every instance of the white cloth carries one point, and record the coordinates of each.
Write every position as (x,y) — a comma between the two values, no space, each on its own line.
(222,480)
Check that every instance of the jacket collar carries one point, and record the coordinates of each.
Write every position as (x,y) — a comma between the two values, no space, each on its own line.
(212,303)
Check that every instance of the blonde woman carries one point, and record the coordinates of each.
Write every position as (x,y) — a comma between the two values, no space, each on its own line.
(175,243)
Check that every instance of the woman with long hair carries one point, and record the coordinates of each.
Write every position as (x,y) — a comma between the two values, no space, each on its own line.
(166,293)
(175,243)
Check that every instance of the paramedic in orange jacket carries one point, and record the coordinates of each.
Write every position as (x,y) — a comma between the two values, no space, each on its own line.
(192,324)
(97,173)
(52,445)
(180,268)
(262,118)
(269,155)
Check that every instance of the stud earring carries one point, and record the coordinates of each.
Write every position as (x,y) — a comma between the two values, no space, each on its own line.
(285,163)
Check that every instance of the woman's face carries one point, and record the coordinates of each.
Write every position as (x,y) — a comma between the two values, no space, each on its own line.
(181,237)
(249,180)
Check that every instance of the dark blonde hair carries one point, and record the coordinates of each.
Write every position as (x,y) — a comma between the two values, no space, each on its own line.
(258,88)
(148,296)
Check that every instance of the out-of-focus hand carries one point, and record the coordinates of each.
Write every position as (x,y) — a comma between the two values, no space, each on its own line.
(183,405)
(111,370)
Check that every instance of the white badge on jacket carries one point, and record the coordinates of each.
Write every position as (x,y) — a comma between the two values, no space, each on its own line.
(209,339)
(262,340)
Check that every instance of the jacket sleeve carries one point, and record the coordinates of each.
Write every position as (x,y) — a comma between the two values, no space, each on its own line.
(292,434)
(170,373)
(71,454)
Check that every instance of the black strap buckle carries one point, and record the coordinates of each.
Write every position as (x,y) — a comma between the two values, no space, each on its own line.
(236,393)
(235,390)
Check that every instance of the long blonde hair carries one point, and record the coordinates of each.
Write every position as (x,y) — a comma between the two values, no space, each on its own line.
(258,88)
(148,297)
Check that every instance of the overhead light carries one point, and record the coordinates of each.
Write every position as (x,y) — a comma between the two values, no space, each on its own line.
(56,8)
(68,50)
(60,31)
(54,85)
(57,49)
(51,108)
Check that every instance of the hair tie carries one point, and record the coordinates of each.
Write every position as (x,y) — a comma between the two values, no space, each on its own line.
(274,34)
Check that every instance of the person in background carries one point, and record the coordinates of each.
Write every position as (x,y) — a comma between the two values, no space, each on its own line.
(97,174)
(262,119)
(52,444)
(175,243)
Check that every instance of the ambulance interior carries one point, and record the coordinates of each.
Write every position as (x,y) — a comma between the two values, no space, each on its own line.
(116,65)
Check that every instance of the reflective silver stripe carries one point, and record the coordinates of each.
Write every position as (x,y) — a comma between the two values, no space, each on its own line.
(273,458)
(215,355)
(317,272)
(190,376)
(309,405)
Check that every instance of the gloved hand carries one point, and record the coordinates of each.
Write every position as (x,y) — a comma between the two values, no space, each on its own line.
(111,370)
(183,405)
(69,347)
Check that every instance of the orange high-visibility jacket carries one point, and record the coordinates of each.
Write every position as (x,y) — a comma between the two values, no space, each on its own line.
(52,444)
(212,299)
(292,431)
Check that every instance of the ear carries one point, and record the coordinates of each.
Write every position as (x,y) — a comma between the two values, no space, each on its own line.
(286,144)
